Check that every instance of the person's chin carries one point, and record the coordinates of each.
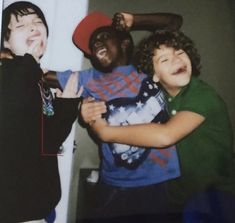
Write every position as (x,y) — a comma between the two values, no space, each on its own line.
(103,66)
(106,68)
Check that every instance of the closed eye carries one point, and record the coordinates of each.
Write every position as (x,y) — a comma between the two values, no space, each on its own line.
(38,21)
(164,60)
(180,52)
(103,36)
(19,26)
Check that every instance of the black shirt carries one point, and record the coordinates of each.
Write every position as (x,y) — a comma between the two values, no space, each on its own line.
(29,141)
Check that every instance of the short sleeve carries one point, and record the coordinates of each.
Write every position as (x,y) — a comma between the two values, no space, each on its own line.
(63,77)
(202,99)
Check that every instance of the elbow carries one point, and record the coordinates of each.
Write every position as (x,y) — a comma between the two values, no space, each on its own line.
(164,140)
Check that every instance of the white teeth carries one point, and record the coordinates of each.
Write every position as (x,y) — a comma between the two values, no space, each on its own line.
(101,53)
(180,70)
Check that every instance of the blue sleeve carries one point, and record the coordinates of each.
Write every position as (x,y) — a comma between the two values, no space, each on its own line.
(84,77)
(63,77)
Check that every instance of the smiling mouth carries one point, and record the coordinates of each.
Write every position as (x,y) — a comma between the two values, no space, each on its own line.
(29,42)
(180,70)
(31,39)
(101,52)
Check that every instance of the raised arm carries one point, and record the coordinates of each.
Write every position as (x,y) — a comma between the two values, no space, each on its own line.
(150,21)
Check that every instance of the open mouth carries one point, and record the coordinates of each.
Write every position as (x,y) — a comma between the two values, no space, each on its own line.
(31,39)
(100,52)
(180,70)
(29,42)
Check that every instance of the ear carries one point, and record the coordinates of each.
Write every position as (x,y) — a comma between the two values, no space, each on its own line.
(155,78)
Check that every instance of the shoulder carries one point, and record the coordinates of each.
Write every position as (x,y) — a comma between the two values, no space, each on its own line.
(201,98)
(23,65)
(88,74)
(202,91)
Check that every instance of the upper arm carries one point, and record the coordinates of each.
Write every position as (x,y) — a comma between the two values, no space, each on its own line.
(180,125)
(63,77)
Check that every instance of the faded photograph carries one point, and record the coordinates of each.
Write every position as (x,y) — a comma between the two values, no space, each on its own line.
(117,111)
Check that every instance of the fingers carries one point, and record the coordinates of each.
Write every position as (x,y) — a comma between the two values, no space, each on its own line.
(119,22)
(58,92)
(123,21)
(80,92)
(70,90)
(87,100)
(45,70)
(92,110)
(72,82)
(35,49)
(5,55)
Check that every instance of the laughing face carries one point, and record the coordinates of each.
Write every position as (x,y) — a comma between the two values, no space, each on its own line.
(28,34)
(172,68)
(106,49)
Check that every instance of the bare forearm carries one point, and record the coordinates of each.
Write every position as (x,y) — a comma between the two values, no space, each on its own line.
(155,21)
(147,135)
(151,134)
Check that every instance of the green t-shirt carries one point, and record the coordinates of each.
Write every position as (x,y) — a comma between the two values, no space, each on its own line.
(205,155)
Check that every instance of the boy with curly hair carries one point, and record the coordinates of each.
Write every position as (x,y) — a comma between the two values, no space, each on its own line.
(199,124)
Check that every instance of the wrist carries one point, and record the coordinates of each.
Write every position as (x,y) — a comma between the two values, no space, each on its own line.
(103,132)
(129,19)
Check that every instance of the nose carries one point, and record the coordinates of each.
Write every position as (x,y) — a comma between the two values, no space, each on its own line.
(32,27)
(177,59)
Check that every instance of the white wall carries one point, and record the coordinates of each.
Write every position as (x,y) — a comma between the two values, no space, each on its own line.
(1,7)
(62,17)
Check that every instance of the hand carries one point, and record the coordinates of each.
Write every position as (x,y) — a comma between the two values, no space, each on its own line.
(70,90)
(92,110)
(123,21)
(6,54)
(45,70)
(36,49)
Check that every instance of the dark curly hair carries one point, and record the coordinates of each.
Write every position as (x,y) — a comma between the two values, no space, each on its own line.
(176,39)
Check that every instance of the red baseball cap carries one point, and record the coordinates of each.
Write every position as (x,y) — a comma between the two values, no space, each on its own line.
(86,27)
